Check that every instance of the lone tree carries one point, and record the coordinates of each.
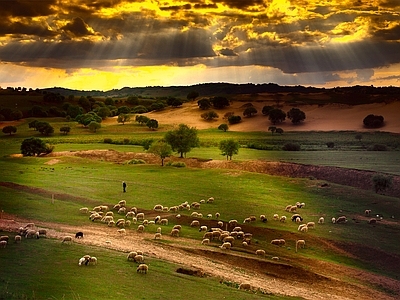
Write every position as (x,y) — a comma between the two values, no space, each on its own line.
(123,118)
(229,147)
(9,129)
(224,127)
(382,182)
(234,119)
(183,139)
(250,111)
(204,104)
(276,116)
(93,126)
(65,129)
(152,124)
(219,102)
(44,128)
(272,129)
(161,149)
(209,115)
(373,121)
(35,146)
(142,119)
(296,115)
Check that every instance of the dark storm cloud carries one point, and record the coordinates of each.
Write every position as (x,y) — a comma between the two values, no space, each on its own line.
(241,4)
(21,29)
(392,34)
(176,7)
(77,28)
(205,6)
(16,8)
(227,52)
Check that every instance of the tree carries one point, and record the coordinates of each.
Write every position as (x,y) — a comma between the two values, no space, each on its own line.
(142,119)
(382,182)
(140,109)
(234,119)
(276,116)
(103,112)
(109,101)
(124,110)
(152,124)
(296,115)
(250,111)
(65,129)
(176,102)
(204,104)
(132,100)
(122,118)
(266,109)
(279,131)
(157,106)
(183,139)
(85,103)
(35,146)
(209,115)
(373,121)
(229,148)
(224,127)
(74,110)
(192,95)
(219,102)
(17,115)
(161,149)
(44,128)
(87,118)
(9,129)
(272,129)
(93,126)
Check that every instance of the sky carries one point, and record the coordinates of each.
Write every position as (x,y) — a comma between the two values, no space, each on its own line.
(110,44)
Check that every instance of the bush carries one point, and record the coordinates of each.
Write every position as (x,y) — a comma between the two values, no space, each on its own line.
(135,162)
(379,147)
(108,141)
(373,121)
(382,182)
(291,147)
(176,164)
(330,144)
(126,141)
(210,115)
(140,109)
(234,119)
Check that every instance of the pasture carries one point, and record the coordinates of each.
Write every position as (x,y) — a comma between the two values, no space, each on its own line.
(29,183)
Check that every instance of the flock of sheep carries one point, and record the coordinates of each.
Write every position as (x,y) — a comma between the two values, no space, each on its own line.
(28,231)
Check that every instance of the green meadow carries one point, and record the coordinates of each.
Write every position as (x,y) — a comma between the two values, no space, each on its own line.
(47,269)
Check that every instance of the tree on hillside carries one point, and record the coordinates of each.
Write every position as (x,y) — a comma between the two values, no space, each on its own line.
(93,126)
(296,115)
(17,115)
(86,119)
(142,119)
(161,149)
(152,124)
(183,139)
(224,127)
(35,146)
(74,110)
(382,182)
(44,128)
(204,104)
(174,102)
(85,103)
(65,129)
(234,119)
(209,115)
(103,112)
(272,129)
(157,106)
(279,131)
(192,95)
(266,109)
(219,102)
(9,129)
(229,147)
(123,118)
(124,110)
(373,121)
(140,109)
(276,116)
(250,111)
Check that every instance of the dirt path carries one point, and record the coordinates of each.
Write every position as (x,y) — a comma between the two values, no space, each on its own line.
(276,277)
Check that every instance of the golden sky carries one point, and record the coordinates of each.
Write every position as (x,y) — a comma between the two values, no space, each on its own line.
(107,44)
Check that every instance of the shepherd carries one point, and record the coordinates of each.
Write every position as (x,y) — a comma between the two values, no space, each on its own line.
(124,186)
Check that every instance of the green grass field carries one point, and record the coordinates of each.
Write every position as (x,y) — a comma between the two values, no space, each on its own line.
(45,269)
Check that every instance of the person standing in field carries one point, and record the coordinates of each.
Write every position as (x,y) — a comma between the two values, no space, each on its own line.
(124,186)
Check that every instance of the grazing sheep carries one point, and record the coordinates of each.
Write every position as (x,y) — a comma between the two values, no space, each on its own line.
(178,216)
(293,208)
(130,214)
(205,241)
(17,238)
(233,223)
(245,244)
(3,244)
(29,225)
(278,242)
(276,217)
(67,239)
(372,221)
(138,258)
(226,246)
(217,215)
(157,236)
(253,218)
(263,218)
(287,208)
(107,219)
(134,209)
(195,223)
(4,238)
(210,200)
(341,219)
(282,219)
(300,244)
(333,220)
(209,216)
(93,260)
(111,223)
(311,224)
(260,252)
(220,224)
(110,213)
(145,222)
(165,208)
(31,233)
(158,230)
(142,268)
(122,203)
(157,219)
(321,220)
(131,255)
(121,231)
(104,207)
(140,228)
(202,201)
(175,232)
(228,239)
(304,228)
(237,228)
(127,223)
(244,286)
(140,216)
(275,258)
(139,252)
(134,220)
(367,212)
(194,214)
(301,226)
(296,217)
(81,261)
(116,207)
(203,228)
(216,234)
(122,210)
(300,205)
(79,235)
(120,223)
(84,210)
(164,221)
(158,207)
(247,220)
(208,235)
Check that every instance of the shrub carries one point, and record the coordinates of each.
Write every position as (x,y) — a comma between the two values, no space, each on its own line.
(382,182)
(373,121)
(330,144)
(107,141)
(140,109)
(224,127)
(176,164)
(291,147)
(379,147)
(9,129)
(146,143)
(126,141)
(135,162)
(210,115)
(234,119)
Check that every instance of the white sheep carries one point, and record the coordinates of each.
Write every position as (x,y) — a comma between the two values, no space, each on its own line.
(158,230)
(333,220)
(203,228)
(217,215)
(4,238)
(300,244)
(194,214)
(142,268)
(321,220)
(110,213)
(157,236)
(177,226)
(247,220)
(260,252)
(67,239)
(301,226)
(42,232)
(121,231)
(276,217)
(282,219)
(263,218)
(304,228)
(209,216)
(220,224)
(245,244)
(233,222)
(178,216)
(140,228)
(122,203)
(158,207)
(93,260)
(175,232)
(31,233)
(195,223)
(17,238)
(205,241)
(275,258)
(130,214)
(287,208)
(140,216)
(341,219)
(244,286)
(3,244)
(311,224)
(210,200)
(278,242)
(122,210)
(164,221)
(131,255)
(228,239)
(226,246)
(84,210)
(367,212)
(138,258)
